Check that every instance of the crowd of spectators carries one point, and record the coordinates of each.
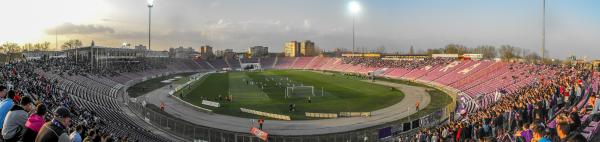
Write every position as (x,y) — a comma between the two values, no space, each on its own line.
(34,108)
(525,115)
(70,66)
(407,64)
(546,110)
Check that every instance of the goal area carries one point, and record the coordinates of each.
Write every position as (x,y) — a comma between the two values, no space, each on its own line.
(299,91)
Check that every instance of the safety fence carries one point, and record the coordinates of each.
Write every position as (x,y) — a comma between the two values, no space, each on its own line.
(193,132)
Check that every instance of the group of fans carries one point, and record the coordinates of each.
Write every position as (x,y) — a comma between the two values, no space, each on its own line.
(71,66)
(34,108)
(546,111)
(407,64)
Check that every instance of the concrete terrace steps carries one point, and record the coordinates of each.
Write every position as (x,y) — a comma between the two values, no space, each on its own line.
(275,62)
(293,63)
(210,65)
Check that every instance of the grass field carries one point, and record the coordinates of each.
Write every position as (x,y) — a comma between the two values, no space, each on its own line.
(155,83)
(341,93)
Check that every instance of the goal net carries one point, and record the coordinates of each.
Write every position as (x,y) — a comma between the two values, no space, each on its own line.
(299,91)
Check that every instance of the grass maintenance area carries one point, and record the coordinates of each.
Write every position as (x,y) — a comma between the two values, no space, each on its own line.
(266,91)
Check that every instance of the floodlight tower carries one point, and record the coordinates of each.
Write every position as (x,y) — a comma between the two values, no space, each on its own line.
(150,5)
(543,30)
(354,8)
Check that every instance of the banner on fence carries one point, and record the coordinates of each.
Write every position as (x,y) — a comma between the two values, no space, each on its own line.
(210,103)
(321,115)
(355,114)
(259,133)
(265,114)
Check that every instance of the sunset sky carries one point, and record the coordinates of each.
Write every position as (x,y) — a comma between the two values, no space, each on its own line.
(573,25)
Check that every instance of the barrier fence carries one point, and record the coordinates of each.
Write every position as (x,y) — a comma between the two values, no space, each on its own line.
(193,132)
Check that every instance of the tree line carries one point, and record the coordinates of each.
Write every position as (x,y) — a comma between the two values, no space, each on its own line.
(11,47)
(504,52)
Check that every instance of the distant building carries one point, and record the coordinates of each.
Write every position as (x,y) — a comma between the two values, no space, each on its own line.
(307,48)
(258,51)
(181,52)
(100,55)
(225,53)
(36,55)
(206,52)
(297,49)
(292,49)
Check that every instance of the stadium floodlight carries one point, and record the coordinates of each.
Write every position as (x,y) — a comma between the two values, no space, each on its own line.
(150,5)
(354,9)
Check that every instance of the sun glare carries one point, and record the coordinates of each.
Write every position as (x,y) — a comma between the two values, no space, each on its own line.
(28,20)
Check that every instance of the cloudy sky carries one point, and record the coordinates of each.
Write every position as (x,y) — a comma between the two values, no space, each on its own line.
(573,25)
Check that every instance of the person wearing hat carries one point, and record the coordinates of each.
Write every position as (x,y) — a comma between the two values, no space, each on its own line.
(56,130)
(14,125)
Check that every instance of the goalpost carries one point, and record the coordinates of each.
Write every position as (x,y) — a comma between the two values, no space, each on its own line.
(299,91)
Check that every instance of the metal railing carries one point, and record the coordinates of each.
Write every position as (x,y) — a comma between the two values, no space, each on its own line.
(194,132)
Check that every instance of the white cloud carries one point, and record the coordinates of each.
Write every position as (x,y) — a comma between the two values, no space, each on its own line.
(306,23)
(70,28)
(214,4)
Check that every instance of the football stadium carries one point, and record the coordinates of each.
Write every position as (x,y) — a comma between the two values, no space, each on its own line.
(100,75)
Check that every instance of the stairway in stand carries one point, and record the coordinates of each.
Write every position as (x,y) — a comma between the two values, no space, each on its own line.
(275,62)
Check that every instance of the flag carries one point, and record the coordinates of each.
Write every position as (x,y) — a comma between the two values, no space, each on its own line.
(259,133)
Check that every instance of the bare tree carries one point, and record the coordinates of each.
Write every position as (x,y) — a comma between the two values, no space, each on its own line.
(11,47)
(508,52)
(488,51)
(455,49)
(28,47)
(434,51)
(45,46)
(532,57)
(70,44)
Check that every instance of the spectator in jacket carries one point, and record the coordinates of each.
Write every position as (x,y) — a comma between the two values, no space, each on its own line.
(14,124)
(56,130)
(5,106)
(76,135)
(34,123)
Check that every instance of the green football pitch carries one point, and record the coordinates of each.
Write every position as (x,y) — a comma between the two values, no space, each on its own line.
(265,91)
